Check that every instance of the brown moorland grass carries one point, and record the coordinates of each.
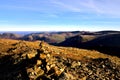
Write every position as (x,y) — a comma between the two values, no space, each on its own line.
(69,52)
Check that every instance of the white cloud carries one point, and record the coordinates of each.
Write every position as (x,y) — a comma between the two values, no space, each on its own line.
(108,7)
(65,6)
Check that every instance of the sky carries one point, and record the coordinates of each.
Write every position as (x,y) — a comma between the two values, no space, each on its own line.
(59,15)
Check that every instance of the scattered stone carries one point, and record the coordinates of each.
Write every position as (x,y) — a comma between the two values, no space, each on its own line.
(30,55)
(34,64)
(42,56)
(39,62)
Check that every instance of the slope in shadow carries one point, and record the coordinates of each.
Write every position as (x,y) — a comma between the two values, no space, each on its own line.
(8,69)
(108,44)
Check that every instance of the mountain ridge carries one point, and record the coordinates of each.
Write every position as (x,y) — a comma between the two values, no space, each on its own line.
(39,60)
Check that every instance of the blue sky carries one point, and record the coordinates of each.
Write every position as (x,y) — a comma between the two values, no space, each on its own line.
(59,15)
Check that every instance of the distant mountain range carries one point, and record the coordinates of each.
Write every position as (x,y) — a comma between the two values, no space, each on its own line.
(104,41)
(102,38)
(49,37)
(10,36)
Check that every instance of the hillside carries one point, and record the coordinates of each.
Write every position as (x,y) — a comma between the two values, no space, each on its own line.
(49,37)
(107,42)
(76,41)
(110,40)
(104,41)
(107,32)
(23,60)
(10,36)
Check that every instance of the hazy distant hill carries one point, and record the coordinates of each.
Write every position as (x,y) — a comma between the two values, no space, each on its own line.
(47,37)
(54,37)
(50,37)
(107,32)
(10,35)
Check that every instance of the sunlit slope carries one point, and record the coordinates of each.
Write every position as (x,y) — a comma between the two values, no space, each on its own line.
(39,60)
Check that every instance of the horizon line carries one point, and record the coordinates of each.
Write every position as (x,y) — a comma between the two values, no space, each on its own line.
(57,30)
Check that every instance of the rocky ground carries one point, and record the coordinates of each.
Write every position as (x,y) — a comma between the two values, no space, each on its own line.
(22,60)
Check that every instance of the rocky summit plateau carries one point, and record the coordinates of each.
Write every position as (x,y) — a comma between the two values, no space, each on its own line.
(37,60)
